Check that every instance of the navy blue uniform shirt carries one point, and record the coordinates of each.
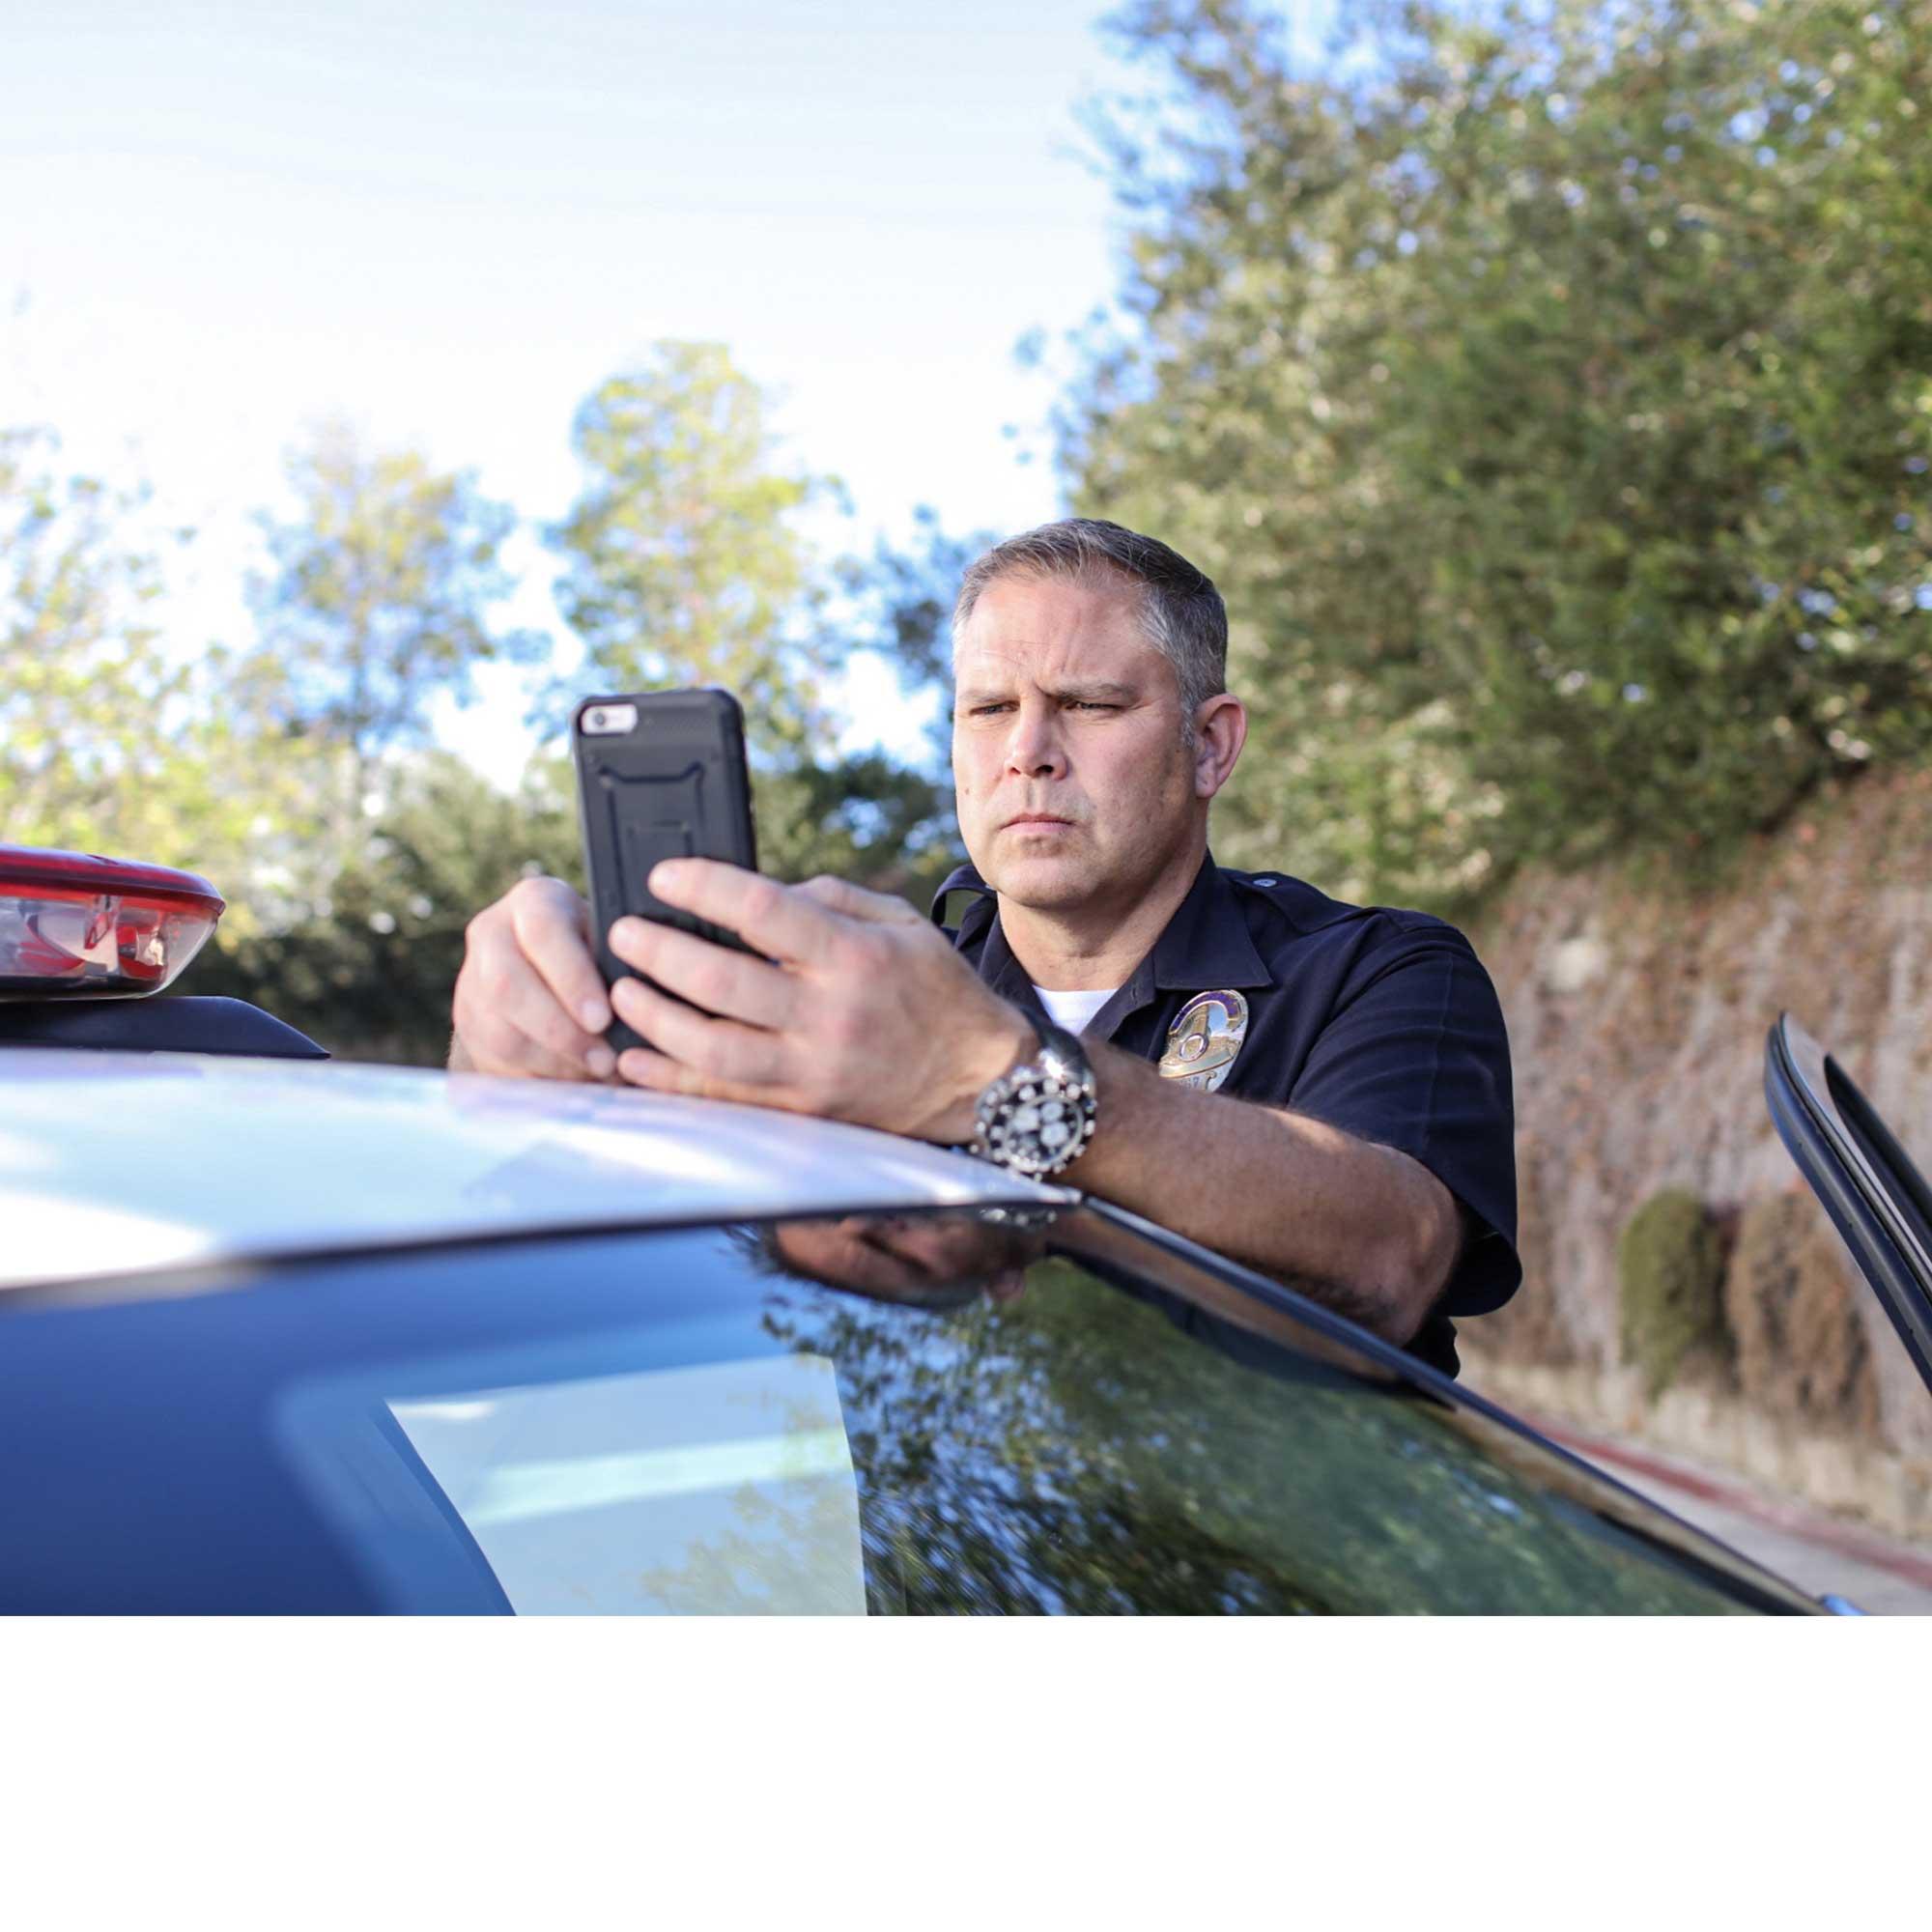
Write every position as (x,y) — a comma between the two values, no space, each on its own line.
(1380,1022)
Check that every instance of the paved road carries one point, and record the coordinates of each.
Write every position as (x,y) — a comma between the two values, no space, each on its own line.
(1821,1554)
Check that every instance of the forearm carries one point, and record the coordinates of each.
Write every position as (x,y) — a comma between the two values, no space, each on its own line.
(1361,1228)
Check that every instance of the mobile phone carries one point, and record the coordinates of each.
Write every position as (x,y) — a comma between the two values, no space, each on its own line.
(660,775)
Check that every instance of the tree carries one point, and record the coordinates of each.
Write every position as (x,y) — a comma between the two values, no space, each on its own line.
(366,968)
(379,598)
(888,825)
(109,742)
(1548,391)
(863,817)
(684,563)
(900,606)
(1101,1445)
(83,680)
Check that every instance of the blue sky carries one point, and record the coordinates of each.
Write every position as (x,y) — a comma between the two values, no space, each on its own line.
(220,222)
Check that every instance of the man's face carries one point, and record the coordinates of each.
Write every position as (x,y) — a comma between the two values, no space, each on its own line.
(1075,783)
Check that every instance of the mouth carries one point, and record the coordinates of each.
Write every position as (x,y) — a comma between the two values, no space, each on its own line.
(1034,821)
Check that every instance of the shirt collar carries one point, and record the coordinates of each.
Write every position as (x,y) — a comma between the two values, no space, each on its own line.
(977,918)
(1207,943)
(961,879)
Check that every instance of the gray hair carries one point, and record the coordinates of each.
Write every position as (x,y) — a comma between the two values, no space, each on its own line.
(1181,614)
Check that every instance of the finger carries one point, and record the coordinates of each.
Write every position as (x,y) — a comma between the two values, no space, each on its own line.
(644,1067)
(497,1046)
(778,921)
(503,987)
(745,1056)
(704,973)
(552,929)
(905,1251)
(841,895)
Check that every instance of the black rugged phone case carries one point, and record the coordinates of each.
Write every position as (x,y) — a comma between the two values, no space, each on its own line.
(674,786)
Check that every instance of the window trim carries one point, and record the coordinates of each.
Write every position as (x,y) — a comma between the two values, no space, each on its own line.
(1864,1179)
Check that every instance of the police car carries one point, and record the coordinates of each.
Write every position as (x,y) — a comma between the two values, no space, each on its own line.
(279,1334)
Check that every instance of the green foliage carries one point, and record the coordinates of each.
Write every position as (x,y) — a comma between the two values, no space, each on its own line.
(1802,1345)
(82,676)
(867,819)
(78,660)
(684,561)
(900,606)
(1084,1457)
(686,564)
(1552,395)
(107,743)
(294,775)
(380,597)
(1670,1279)
(366,969)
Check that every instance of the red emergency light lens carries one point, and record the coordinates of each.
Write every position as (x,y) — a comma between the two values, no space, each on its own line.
(77,927)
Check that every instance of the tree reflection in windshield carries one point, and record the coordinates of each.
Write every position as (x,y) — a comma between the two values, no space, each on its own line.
(1031,1435)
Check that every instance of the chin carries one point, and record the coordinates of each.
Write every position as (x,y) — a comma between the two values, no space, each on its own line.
(1049,883)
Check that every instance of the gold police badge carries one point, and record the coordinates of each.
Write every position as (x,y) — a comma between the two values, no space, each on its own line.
(1204,1040)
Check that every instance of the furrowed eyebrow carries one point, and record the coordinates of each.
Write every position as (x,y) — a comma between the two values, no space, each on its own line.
(1091,694)
(1095,693)
(1078,694)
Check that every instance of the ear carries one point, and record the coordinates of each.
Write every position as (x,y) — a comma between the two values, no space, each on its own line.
(1220,730)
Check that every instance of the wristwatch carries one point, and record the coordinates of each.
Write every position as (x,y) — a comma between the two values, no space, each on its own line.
(1038,1117)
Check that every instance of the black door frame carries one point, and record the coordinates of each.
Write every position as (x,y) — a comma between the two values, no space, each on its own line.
(1865,1180)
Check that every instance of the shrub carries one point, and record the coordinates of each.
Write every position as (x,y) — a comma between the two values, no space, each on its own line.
(1802,1349)
(1670,1277)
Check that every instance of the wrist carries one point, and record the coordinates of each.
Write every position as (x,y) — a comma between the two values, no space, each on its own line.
(1006,1039)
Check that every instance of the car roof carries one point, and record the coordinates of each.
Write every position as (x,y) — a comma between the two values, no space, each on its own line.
(116,1163)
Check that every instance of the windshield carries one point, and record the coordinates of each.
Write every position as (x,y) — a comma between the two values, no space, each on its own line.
(974,1417)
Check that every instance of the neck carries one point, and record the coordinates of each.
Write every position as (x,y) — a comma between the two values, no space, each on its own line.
(1080,950)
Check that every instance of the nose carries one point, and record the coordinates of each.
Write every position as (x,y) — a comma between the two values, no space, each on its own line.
(1032,745)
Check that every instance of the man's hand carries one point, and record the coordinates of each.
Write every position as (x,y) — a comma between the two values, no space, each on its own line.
(860,1010)
(938,1261)
(529,998)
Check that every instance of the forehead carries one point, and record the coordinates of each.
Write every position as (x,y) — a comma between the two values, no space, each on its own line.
(1036,626)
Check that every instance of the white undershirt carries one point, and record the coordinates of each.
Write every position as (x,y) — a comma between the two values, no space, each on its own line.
(1074,1010)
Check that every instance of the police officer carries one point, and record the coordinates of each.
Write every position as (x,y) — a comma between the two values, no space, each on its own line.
(1319,1089)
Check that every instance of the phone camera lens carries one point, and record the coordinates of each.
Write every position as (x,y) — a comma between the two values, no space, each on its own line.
(594,719)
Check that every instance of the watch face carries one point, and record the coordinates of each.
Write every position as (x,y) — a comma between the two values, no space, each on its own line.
(1043,1121)
(1036,1126)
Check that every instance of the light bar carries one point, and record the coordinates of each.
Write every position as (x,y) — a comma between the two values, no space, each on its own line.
(77,927)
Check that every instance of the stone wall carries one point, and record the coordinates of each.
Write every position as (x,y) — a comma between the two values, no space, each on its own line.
(1637,1014)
